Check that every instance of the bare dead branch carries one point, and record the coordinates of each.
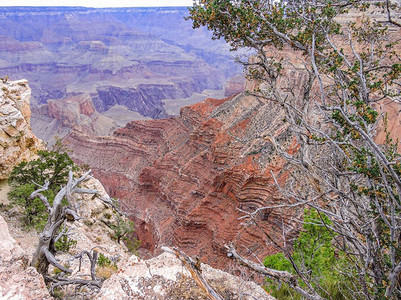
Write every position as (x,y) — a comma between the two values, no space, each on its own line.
(194,268)
(279,275)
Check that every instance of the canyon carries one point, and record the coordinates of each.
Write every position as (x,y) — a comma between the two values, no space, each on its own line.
(114,92)
(187,180)
(167,276)
(183,180)
(119,59)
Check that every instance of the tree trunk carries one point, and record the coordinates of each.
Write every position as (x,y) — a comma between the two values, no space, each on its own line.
(45,252)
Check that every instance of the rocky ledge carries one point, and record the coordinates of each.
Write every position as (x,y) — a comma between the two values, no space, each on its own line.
(17,279)
(165,277)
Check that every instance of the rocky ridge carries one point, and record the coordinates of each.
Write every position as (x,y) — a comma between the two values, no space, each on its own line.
(17,142)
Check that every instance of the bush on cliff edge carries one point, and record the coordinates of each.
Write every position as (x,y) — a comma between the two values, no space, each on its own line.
(52,166)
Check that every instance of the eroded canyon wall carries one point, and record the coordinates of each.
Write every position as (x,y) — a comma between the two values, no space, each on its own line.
(184,179)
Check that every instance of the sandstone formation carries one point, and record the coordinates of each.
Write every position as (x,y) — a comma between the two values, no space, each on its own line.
(183,179)
(17,279)
(17,142)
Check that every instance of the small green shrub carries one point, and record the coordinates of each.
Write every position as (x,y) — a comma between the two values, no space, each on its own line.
(106,267)
(51,166)
(315,255)
(104,261)
(123,231)
(132,244)
(65,244)
(122,228)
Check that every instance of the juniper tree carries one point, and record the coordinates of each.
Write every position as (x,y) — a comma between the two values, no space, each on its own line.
(50,166)
(333,67)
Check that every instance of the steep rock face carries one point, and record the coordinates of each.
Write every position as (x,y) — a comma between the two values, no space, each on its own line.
(392,109)
(234,85)
(17,279)
(145,99)
(17,142)
(58,117)
(183,179)
(69,110)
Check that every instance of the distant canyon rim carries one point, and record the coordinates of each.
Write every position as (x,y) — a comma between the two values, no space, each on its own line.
(101,68)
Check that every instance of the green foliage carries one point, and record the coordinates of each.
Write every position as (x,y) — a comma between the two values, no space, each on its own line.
(104,261)
(277,262)
(123,231)
(65,244)
(132,244)
(34,212)
(51,166)
(122,228)
(315,256)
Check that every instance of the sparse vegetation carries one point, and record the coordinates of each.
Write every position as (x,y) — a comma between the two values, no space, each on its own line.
(65,244)
(104,261)
(105,268)
(315,256)
(123,230)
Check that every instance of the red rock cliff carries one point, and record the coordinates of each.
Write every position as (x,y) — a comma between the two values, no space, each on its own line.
(183,179)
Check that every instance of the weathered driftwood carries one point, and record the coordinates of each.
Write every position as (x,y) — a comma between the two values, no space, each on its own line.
(58,214)
(194,267)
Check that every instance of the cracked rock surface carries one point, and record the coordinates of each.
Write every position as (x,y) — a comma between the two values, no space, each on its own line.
(17,142)
(164,277)
(17,279)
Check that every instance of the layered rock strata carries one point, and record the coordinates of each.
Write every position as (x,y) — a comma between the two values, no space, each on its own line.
(17,142)
(185,179)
